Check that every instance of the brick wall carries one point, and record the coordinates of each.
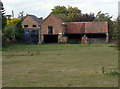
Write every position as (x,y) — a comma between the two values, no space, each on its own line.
(30,22)
(54,21)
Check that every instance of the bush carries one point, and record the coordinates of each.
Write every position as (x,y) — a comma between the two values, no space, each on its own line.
(4,40)
(8,31)
(19,32)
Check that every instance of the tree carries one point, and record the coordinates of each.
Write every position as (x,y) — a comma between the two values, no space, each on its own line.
(19,32)
(66,14)
(18,28)
(84,18)
(3,22)
(59,10)
(2,12)
(16,21)
(102,16)
(73,11)
(118,33)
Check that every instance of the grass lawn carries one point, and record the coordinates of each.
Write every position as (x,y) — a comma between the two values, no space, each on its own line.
(60,65)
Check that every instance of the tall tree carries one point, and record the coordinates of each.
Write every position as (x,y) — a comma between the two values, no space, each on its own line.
(66,14)
(2,12)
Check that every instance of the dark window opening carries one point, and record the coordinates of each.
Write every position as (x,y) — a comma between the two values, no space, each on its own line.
(50,29)
(25,25)
(34,25)
(51,38)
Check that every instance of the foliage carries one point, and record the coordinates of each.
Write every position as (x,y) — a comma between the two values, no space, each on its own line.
(66,14)
(118,34)
(65,18)
(8,31)
(19,32)
(102,16)
(2,12)
(16,21)
(115,31)
(3,21)
(84,17)
(59,10)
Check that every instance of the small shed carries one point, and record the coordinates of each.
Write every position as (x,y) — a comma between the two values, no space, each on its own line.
(31,26)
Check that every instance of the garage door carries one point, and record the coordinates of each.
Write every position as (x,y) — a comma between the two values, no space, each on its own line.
(51,38)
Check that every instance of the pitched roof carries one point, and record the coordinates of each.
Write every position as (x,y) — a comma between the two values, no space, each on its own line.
(36,19)
(75,27)
(54,16)
(86,27)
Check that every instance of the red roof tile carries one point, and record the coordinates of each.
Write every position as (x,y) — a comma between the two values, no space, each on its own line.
(86,27)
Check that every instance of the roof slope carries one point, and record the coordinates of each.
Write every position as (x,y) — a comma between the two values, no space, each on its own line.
(36,19)
(60,20)
(86,27)
(75,27)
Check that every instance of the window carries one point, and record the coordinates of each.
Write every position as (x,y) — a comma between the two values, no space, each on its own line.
(25,25)
(34,25)
(50,29)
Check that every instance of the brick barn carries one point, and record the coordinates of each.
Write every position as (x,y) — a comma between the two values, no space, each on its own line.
(54,30)
(31,26)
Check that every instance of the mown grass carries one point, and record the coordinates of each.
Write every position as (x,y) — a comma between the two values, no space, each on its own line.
(60,65)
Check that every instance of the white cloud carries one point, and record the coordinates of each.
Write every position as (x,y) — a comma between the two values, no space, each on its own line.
(43,7)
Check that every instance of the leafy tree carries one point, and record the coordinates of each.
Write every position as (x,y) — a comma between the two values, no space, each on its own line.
(59,10)
(66,14)
(8,31)
(102,16)
(16,21)
(118,33)
(84,18)
(73,11)
(19,32)
(18,28)
(65,18)
(3,22)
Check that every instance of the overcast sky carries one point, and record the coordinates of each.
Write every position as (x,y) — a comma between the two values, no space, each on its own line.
(42,8)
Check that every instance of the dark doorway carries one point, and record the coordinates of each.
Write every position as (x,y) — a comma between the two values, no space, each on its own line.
(51,38)
(75,36)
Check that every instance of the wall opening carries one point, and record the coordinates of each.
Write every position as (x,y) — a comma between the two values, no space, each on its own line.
(51,38)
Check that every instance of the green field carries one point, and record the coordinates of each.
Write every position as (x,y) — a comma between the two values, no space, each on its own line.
(60,65)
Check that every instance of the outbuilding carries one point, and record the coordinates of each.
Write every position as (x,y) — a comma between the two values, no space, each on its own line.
(54,30)
(31,26)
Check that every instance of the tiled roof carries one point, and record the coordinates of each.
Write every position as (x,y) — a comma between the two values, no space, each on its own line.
(36,19)
(86,27)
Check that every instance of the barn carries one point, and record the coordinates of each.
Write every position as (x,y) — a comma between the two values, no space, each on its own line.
(96,32)
(54,30)
(31,26)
